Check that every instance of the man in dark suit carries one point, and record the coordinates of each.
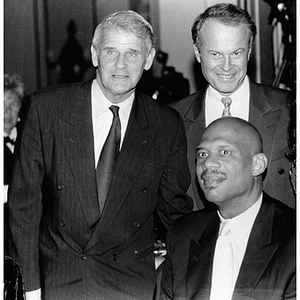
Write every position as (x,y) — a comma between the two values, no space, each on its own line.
(223,36)
(244,249)
(71,241)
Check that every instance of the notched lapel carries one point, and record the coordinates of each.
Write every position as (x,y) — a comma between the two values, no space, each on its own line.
(259,252)
(77,132)
(199,271)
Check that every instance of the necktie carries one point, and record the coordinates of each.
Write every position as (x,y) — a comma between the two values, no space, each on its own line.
(222,280)
(227,102)
(108,158)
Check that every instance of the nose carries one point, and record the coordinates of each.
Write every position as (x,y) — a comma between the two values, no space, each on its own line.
(226,63)
(210,162)
(121,62)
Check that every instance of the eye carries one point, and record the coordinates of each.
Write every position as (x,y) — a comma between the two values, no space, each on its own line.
(237,53)
(214,54)
(110,52)
(201,154)
(225,152)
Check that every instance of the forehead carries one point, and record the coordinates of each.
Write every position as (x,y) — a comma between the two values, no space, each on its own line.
(216,33)
(120,38)
(217,137)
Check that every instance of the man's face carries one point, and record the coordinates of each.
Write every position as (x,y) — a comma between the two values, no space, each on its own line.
(12,105)
(121,59)
(224,55)
(225,166)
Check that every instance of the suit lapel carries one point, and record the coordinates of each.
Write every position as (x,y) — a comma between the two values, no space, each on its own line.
(77,132)
(199,271)
(259,252)
(136,146)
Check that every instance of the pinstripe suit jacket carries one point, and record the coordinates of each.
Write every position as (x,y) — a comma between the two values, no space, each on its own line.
(268,270)
(269,113)
(60,239)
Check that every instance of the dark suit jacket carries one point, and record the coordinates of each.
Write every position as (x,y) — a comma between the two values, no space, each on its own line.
(268,268)
(54,212)
(269,113)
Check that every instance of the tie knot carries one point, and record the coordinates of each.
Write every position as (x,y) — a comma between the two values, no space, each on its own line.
(115,110)
(224,228)
(226,101)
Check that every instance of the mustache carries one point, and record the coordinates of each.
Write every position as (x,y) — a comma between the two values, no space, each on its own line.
(211,172)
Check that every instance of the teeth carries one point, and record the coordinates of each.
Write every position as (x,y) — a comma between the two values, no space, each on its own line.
(226,76)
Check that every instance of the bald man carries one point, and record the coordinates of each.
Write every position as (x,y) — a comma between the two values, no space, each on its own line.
(245,248)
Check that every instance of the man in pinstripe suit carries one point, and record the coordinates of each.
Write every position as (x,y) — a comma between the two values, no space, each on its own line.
(67,246)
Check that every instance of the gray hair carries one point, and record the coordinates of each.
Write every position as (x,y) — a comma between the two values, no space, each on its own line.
(129,21)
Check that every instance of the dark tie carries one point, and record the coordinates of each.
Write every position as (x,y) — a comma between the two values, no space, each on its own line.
(108,158)
(227,102)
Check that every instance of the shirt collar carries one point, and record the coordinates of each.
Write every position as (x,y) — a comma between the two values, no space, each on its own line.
(240,93)
(101,104)
(241,225)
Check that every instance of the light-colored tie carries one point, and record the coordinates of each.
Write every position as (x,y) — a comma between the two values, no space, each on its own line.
(227,102)
(222,280)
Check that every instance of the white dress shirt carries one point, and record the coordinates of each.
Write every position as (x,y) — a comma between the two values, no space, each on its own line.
(238,108)
(240,228)
(102,117)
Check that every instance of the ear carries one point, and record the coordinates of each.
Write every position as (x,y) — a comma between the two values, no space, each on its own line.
(250,50)
(149,59)
(197,54)
(260,163)
(94,56)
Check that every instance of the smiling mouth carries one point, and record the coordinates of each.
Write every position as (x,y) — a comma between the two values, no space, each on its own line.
(226,77)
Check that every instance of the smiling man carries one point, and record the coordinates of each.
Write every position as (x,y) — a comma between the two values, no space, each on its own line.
(81,219)
(223,37)
(243,249)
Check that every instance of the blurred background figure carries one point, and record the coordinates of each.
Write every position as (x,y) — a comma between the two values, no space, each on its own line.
(13,96)
(70,64)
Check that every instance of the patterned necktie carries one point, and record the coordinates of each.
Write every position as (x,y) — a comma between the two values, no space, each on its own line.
(227,102)
(222,281)
(108,158)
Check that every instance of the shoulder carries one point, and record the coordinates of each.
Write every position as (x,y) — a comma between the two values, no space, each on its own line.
(183,105)
(59,92)
(157,110)
(275,95)
(192,223)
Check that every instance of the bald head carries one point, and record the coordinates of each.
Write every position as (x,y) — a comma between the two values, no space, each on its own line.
(238,129)
(230,164)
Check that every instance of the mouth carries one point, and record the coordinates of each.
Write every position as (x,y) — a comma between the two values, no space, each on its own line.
(225,77)
(120,76)
(212,181)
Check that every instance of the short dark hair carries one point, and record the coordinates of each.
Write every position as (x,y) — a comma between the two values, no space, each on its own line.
(226,13)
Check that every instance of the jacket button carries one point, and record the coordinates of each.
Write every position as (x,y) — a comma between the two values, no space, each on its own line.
(144,189)
(61,187)
(83,257)
(62,223)
(137,225)
(281,171)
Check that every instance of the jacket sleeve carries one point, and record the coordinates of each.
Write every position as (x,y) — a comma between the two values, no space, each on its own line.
(174,201)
